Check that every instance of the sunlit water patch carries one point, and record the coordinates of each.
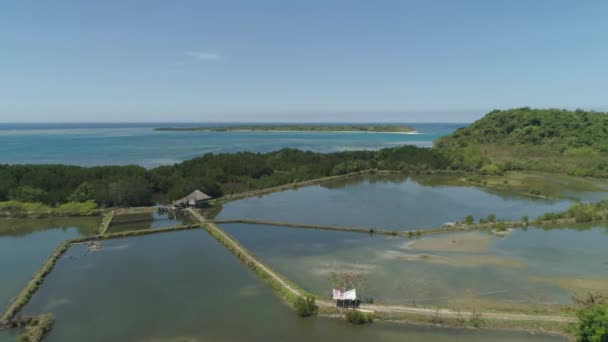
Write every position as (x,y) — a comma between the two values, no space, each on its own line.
(395,202)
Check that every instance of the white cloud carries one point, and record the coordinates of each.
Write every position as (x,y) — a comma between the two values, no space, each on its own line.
(204,56)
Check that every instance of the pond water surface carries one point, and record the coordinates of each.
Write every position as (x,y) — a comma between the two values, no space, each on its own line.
(184,286)
(467,270)
(26,243)
(151,220)
(393,202)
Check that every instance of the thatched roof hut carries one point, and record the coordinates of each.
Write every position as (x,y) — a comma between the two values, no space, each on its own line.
(196,199)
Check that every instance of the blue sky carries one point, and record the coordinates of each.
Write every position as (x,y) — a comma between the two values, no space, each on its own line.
(408,61)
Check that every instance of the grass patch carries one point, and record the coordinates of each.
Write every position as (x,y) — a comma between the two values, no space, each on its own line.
(106,222)
(358,317)
(38,210)
(38,328)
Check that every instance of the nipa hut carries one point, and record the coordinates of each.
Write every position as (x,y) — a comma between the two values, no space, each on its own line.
(196,199)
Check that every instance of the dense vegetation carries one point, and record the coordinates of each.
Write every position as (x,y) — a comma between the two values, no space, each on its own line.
(298,128)
(35,209)
(592,318)
(580,212)
(574,142)
(215,174)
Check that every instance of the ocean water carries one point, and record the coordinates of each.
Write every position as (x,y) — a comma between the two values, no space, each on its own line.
(139,144)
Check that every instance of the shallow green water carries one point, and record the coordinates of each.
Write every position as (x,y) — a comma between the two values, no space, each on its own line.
(9,335)
(526,267)
(152,220)
(184,286)
(26,243)
(391,202)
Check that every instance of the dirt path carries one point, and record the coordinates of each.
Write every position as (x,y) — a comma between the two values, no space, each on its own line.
(382,308)
(465,314)
(244,252)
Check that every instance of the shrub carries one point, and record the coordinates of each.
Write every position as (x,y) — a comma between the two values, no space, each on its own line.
(492,169)
(358,317)
(306,307)
(469,219)
(476,319)
(491,218)
(593,323)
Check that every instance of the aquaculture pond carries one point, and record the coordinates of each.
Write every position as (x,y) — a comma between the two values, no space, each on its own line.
(149,220)
(394,202)
(184,286)
(26,243)
(473,270)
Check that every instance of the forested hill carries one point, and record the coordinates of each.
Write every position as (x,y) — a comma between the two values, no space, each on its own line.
(575,142)
(561,129)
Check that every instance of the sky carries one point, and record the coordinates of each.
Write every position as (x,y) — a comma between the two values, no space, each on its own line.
(297,61)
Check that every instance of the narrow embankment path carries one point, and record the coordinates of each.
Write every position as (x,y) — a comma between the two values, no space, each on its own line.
(369,230)
(244,253)
(247,257)
(447,313)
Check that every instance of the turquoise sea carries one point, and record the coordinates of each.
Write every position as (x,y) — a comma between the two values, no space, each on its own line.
(140,144)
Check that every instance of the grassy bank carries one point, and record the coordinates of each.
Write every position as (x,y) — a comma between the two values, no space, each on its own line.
(106,222)
(19,209)
(38,328)
(285,289)
(369,230)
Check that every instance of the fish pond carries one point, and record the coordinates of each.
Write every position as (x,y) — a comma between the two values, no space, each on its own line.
(149,220)
(184,286)
(519,269)
(400,203)
(26,243)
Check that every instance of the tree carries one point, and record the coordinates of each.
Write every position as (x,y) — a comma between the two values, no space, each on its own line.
(28,194)
(491,218)
(84,192)
(469,219)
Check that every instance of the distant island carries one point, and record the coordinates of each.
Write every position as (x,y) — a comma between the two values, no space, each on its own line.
(297,128)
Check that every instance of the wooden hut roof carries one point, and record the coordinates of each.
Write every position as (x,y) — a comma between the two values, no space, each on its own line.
(196,195)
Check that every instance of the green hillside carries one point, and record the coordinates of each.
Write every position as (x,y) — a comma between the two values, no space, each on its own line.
(574,142)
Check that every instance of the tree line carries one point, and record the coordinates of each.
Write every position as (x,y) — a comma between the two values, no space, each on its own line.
(214,174)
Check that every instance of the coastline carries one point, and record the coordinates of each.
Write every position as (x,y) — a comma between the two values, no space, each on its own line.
(414,132)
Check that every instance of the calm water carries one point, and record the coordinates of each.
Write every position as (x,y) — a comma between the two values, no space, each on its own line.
(194,290)
(123,222)
(26,243)
(391,202)
(112,144)
(466,270)
(10,335)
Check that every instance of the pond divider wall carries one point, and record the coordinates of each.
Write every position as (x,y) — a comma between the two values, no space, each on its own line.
(106,221)
(287,290)
(402,233)
(32,286)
